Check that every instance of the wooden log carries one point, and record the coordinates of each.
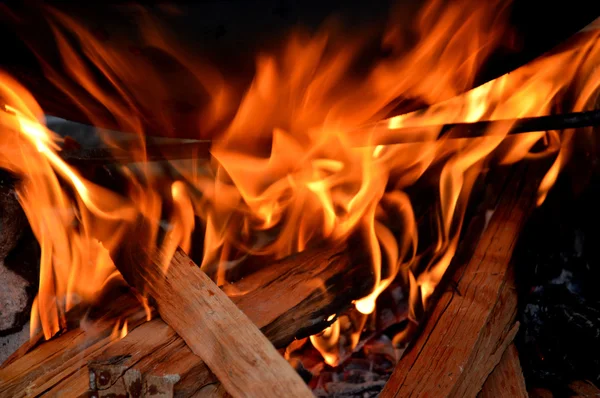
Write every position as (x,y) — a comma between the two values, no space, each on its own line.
(59,364)
(213,327)
(584,388)
(467,332)
(113,373)
(507,378)
(291,298)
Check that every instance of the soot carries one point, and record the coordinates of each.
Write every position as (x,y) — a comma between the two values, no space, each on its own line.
(557,267)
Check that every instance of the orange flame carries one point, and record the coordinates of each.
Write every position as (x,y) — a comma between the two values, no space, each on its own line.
(306,158)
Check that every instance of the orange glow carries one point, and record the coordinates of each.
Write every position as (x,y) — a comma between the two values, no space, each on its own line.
(307,155)
(123,331)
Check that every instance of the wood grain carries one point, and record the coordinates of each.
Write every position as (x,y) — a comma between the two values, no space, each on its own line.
(507,378)
(59,364)
(467,333)
(215,329)
(289,298)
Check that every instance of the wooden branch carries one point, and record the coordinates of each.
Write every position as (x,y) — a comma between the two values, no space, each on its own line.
(201,149)
(59,364)
(156,152)
(564,121)
(290,298)
(467,332)
(507,378)
(216,330)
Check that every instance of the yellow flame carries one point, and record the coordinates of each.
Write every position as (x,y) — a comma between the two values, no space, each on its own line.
(304,156)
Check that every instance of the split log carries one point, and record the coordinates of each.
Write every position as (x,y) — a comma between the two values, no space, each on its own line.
(291,298)
(149,361)
(469,329)
(215,329)
(507,378)
(59,364)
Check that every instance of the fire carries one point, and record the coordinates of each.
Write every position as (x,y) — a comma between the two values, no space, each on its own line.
(307,155)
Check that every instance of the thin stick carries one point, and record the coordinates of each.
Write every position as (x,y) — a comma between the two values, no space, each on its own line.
(406,135)
(563,121)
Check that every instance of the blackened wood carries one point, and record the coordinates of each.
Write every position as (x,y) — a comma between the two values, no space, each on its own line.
(517,126)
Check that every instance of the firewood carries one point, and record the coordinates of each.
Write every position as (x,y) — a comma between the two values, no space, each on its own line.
(155,361)
(235,350)
(470,327)
(201,149)
(59,364)
(288,299)
(583,388)
(507,378)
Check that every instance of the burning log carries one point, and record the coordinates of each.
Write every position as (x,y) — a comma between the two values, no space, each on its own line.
(212,326)
(292,298)
(300,301)
(157,152)
(507,378)
(58,365)
(469,329)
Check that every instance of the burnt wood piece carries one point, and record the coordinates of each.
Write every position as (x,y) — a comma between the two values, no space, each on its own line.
(291,298)
(518,126)
(470,327)
(235,350)
(58,365)
(507,378)
(103,156)
(201,149)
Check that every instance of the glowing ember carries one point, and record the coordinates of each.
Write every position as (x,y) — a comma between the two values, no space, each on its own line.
(327,174)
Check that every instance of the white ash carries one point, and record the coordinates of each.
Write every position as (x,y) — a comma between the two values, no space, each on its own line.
(12,342)
(13,296)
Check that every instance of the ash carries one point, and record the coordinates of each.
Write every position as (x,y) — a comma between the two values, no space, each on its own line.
(557,264)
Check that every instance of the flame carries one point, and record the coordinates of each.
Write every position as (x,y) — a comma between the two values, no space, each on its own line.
(306,154)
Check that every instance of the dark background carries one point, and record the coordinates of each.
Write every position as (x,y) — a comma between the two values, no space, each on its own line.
(228,34)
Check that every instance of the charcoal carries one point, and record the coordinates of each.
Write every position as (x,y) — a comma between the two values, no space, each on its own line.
(557,262)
